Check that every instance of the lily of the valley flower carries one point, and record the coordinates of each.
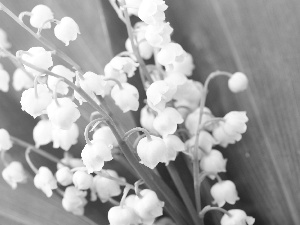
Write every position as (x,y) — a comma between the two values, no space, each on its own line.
(21,80)
(238,82)
(4,77)
(238,217)
(64,176)
(61,87)
(152,11)
(95,154)
(74,200)
(105,134)
(213,162)
(205,141)
(63,115)
(36,105)
(151,152)
(159,34)
(14,173)
(39,15)
(174,145)
(66,30)
(65,138)
(5,142)
(42,133)
(45,181)
(170,54)
(94,83)
(146,119)
(127,97)
(82,180)
(186,66)
(122,215)
(224,191)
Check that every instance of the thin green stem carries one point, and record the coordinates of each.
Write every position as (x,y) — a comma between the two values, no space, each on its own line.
(29,162)
(136,187)
(55,91)
(125,193)
(3,158)
(113,202)
(87,129)
(210,208)
(183,192)
(116,81)
(137,129)
(118,180)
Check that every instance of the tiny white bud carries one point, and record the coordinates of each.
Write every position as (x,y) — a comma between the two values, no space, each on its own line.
(238,82)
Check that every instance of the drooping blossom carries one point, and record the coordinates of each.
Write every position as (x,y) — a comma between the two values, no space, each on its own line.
(146,119)
(105,134)
(65,138)
(14,173)
(213,162)
(94,83)
(159,34)
(224,191)
(174,145)
(152,11)
(238,217)
(175,79)
(61,87)
(127,97)
(4,77)
(170,54)
(118,67)
(21,80)
(39,15)
(133,6)
(64,176)
(122,215)
(238,82)
(186,66)
(82,180)
(42,133)
(66,30)
(45,181)
(5,142)
(74,200)
(205,141)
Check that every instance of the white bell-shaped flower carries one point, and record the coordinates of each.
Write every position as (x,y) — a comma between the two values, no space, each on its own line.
(4,77)
(94,83)
(39,57)
(152,11)
(42,133)
(133,6)
(14,173)
(205,142)
(63,115)
(189,94)
(148,206)
(94,155)
(21,80)
(192,120)
(238,217)
(82,180)
(231,130)
(64,176)
(158,94)
(224,191)
(3,40)
(107,188)
(5,142)
(127,97)
(88,91)
(146,119)
(35,106)
(159,34)
(174,145)
(170,54)
(213,162)
(66,30)
(105,134)
(152,152)
(45,181)
(175,79)
(69,161)
(186,66)
(238,82)
(166,121)
(119,66)
(64,139)
(62,88)
(39,15)
(111,70)
(122,215)
(74,200)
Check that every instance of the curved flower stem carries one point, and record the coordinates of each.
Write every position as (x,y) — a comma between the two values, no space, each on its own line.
(183,192)
(35,83)
(118,180)
(137,129)
(125,193)
(136,187)
(3,158)
(204,174)
(55,91)
(210,208)
(134,47)
(28,160)
(44,24)
(87,128)
(41,152)
(94,114)
(116,81)
(41,39)
(196,166)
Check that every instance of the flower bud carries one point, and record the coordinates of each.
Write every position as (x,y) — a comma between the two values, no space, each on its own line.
(224,191)
(42,133)
(166,121)
(127,97)
(66,30)
(21,80)
(107,188)
(159,34)
(93,155)
(5,142)
(82,180)
(105,134)
(61,87)
(35,106)
(64,115)
(39,15)
(122,215)
(238,82)
(238,217)
(14,173)
(45,181)
(213,162)
(4,77)
(152,11)
(74,201)
(64,176)
(39,57)
(152,152)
